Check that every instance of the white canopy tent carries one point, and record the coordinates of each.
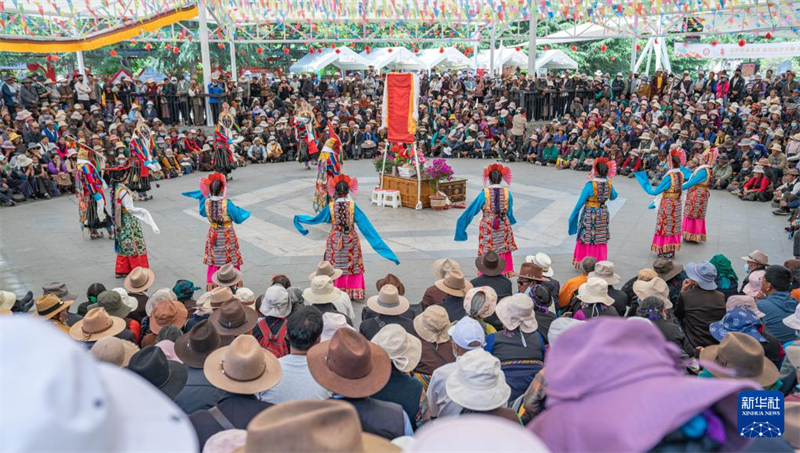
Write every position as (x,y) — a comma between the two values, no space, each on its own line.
(393,58)
(555,59)
(451,58)
(343,58)
(503,56)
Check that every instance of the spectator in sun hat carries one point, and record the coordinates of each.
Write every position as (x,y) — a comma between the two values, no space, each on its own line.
(645,384)
(270,329)
(243,369)
(778,304)
(480,303)
(570,287)
(467,334)
(322,294)
(137,283)
(113,350)
(543,260)
(491,267)
(165,312)
(742,320)
(389,279)
(113,303)
(699,304)
(166,375)
(192,348)
(99,324)
(605,270)
(303,331)
(433,295)
(753,286)
(594,300)
(312,426)
(653,308)
(754,261)
(468,433)
(740,356)
(431,327)
(405,351)
(389,307)
(455,287)
(478,386)
(101,396)
(51,307)
(353,369)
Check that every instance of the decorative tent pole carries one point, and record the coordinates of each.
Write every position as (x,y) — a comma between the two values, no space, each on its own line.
(419,176)
(383,165)
(81,65)
(633,43)
(232,46)
(205,56)
(534,20)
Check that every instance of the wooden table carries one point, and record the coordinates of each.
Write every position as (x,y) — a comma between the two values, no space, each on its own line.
(456,190)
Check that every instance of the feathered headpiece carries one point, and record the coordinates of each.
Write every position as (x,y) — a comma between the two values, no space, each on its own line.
(680,153)
(709,156)
(205,184)
(352,184)
(505,171)
(612,168)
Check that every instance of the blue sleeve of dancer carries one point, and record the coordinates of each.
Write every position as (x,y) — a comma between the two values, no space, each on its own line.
(573,218)
(686,173)
(511,219)
(237,214)
(324,216)
(198,195)
(466,218)
(614,193)
(372,236)
(641,176)
(695,180)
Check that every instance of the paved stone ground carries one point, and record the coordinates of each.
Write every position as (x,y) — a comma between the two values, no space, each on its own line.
(41,242)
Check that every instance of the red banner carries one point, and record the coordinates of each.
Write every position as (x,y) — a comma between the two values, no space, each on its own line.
(399,107)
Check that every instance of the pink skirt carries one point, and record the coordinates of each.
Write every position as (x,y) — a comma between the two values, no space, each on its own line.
(598,251)
(353,285)
(666,244)
(694,230)
(509,259)
(210,272)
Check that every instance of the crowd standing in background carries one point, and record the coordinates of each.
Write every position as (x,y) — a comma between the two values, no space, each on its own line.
(476,365)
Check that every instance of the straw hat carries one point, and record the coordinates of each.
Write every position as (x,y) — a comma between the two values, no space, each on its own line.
(404,349)
(50,305)
(196,345)
(95,325)
(517,312)
(431,325)
(243,368)
(326,268)
(139,280)
(605,270)
(444,265)
(744,356)
(349,365)
(478,383)
(233,318)
(114,350)
(302,426)
(454,284)
(542,260)
(227,275)
(321,291)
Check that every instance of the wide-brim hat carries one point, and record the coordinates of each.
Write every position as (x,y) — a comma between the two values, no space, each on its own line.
(391,279)
(516,311)
(227,275)
(326,268)
(532,272)
(233,318)
(466,386)
(95,325)
(454,283)
(114,350)
(655,287)
(321,291)
(666,268)
(490,263)
(403,348)
(792,321)
(388,302)
(757,256)
(152,363)
(139,280)
(443,265)
(432,325)
(595,291)
(50,305)
(194,347)
(168,312)
(542,260)
(349,365)
(736,343)
(605,270)
(243,368)
(121,311)
(694,272)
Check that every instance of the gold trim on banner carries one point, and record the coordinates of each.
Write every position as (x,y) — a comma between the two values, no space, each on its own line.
(106,38)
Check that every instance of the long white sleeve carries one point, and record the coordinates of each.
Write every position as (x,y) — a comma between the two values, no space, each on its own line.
(140,213)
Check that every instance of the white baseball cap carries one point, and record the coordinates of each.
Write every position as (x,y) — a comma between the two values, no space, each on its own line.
(468,334)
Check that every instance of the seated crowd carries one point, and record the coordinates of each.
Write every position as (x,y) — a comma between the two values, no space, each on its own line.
(294,370)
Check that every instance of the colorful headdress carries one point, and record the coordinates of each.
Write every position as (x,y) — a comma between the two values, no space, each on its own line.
(352,184)
(205,184)
(118,173)
(709,156)
(612,168)
(680,153)
(505,171)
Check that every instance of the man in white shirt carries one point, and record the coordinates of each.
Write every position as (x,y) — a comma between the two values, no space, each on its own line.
(82,90)
(467,334)
(303,330)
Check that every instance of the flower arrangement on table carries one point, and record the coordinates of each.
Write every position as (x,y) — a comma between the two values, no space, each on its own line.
(438,171)
(391,162)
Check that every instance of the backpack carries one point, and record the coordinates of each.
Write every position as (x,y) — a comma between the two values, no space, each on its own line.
(274,343)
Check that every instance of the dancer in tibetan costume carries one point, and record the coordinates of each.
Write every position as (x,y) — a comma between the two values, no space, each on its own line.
(141,161)
(222,246)
(589,219)
(497,206)
(667,238)
(343,247)
(306,141)
(328,166)
(129,238)
(694,218)
(223,160)
(89,189)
